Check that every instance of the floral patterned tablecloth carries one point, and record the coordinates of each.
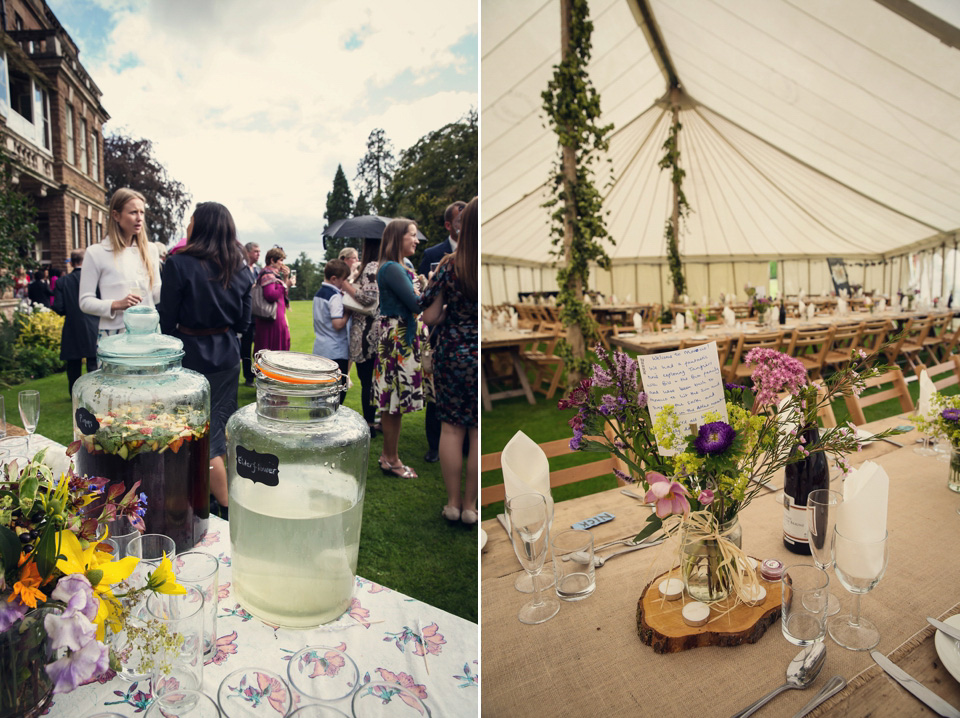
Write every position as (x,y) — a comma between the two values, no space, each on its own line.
(391,637)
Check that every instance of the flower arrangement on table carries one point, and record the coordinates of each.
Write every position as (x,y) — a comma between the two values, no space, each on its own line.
(715,472)
(57,584)
(943,421)
(760,306)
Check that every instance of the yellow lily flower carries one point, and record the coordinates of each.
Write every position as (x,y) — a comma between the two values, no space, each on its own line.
(162,579)
(95,565)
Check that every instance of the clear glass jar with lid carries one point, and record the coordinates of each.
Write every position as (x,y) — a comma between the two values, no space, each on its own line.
(296,477)
(143,417)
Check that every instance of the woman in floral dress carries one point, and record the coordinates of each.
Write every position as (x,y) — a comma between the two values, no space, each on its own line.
(398,378)
(364,337)
(450,304)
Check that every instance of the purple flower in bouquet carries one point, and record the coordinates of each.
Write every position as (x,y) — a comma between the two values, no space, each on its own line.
(950,414)
(642,399)
(714,438)
(10,613)
(775,372)
(79,666)
(668,496)
(71,630)
(75,590)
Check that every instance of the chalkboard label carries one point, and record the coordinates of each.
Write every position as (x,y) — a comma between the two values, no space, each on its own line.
(86,422)
(259,468)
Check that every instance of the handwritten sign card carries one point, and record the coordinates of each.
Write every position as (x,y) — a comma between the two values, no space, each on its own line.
(689,379)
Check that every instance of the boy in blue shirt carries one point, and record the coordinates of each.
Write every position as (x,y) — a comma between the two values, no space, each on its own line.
(330,320)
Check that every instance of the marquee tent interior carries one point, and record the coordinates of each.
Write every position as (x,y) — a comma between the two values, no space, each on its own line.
(810,129)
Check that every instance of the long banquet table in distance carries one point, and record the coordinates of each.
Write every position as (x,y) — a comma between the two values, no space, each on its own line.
(509,342)
(588,659)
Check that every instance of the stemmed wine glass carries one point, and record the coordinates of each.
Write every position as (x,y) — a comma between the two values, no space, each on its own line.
(29,402)
(523,582)
(528,519)
(822,505)
(860,564)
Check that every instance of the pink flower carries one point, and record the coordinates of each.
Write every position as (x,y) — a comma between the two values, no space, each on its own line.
(706,497)
(669,496)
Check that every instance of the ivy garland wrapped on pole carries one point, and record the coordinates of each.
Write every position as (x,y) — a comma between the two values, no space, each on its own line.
(681,208)
(572,106)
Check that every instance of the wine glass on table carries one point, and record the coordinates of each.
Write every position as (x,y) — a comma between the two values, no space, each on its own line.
(29,403)
(860,564)
(528,518)
(822,505)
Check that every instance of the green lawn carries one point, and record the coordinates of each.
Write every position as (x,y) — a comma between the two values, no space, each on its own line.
(402,527)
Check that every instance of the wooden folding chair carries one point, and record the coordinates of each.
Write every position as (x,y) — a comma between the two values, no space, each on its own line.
(911,343)
(874,334)
(846,339)
(736,369)
(951,368)
(897,390)
(724,345)
(951,343)
(549,366)
(810,347)
(938,335)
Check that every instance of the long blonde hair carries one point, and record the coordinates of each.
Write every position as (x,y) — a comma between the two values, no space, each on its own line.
(117,202)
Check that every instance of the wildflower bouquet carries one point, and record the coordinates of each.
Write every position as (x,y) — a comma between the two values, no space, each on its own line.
(56,584)
(761,305)
(943,420)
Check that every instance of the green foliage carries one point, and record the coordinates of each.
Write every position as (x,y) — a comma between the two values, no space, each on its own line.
(129,162)
(36,349)
(309,277)
(439,169)
(375,169)
(362,207)
(339,206)
(572,107)
(671,161)
(18,228)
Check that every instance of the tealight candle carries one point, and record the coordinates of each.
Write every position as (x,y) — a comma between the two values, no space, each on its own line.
(753,595)
(695,613)
(671,588)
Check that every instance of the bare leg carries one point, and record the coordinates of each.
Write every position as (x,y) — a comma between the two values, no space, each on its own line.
(218,480)
(391,437)
(473,476)
(451,460)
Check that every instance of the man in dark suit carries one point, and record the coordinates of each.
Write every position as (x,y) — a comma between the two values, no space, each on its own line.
(246,340)
(78,341)
(433,255)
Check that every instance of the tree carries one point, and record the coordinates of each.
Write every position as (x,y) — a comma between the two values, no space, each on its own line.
(129,162)
(18,227)
(572,107)
(376,168)
(362,208)
(339,206)
(309,277)
(439,169)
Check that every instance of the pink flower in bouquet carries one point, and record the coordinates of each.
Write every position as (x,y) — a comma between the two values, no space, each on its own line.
(669,496)
(706,497)
(775,372)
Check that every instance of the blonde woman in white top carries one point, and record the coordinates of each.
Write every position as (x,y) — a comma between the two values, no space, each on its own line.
(124,265)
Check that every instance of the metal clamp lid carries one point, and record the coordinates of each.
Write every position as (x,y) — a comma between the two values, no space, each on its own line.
(296,367)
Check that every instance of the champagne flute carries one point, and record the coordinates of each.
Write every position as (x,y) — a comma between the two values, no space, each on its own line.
(29,403)
(860,564)
(822,505)
(529,522)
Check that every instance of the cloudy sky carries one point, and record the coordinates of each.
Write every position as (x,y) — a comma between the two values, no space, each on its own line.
(253,103)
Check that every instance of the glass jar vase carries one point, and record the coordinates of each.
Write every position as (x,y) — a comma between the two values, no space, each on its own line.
(704,576)
(953,477)
(25,687)
(143,417)
(296,473)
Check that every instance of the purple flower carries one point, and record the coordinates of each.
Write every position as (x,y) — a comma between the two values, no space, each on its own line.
(601,376)
(642,399)
(950,414)
(714,438)
(75,590)
(734,387)
(10,613)
(706,497)
(70,630)
(79,667)
(626,478)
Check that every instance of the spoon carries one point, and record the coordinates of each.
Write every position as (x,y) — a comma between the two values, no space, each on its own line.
(801,672)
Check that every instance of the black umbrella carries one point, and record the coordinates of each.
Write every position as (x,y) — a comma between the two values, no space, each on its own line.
(366,227)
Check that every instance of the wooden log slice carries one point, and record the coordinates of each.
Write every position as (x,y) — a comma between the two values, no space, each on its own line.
(660,624)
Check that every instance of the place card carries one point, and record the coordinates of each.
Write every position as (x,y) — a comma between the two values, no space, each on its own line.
(688,379)
(593,521)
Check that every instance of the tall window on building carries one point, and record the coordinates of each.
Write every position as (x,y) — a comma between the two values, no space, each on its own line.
(43,236)
(21,94)
(87,232)
(82,164)
(75,229)
(71,147)
(47,141)
(94,156)
(99,231)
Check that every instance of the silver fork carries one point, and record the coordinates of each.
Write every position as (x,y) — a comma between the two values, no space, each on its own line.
(598,561)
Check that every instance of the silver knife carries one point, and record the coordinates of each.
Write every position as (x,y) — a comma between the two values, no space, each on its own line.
(924,694)
(949,630)
(829,690)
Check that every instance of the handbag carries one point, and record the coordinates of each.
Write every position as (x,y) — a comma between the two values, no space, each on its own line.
(259,306)
(356,307)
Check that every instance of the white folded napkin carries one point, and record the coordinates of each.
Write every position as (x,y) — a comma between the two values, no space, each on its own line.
(688,318)
(553,300)
(863,517)
(514,322)
(811,310)
(841,306)
(803,293)
(587,300)
(881,305)
(637,321)
(629,298)
(801,308)
(525,468)
(613,299)
(729,317)
(927,390)
(904,303)
(703,300)
(678,322)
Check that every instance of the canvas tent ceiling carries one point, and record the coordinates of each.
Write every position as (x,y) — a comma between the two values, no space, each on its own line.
(813,128)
